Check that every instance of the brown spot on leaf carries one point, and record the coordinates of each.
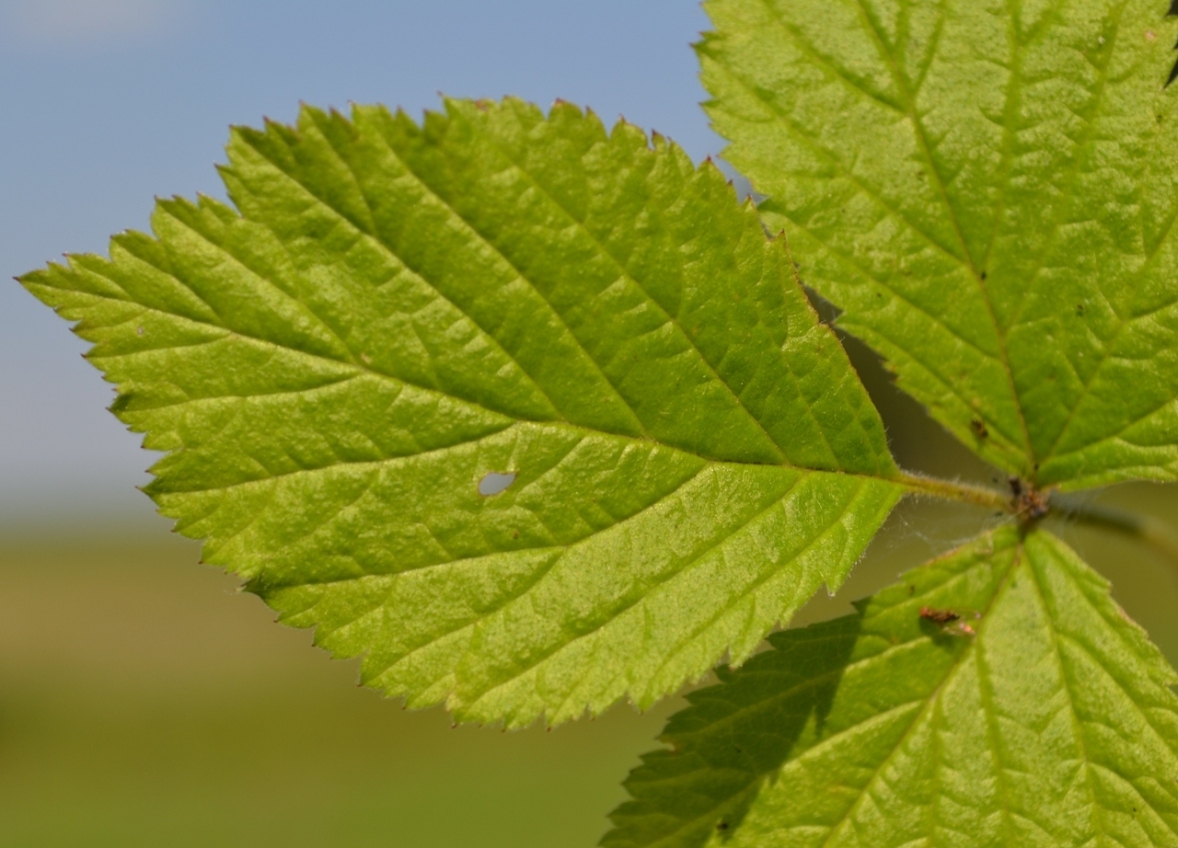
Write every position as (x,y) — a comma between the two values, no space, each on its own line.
(938,616)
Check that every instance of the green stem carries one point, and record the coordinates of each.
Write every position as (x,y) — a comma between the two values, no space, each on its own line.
(955,491)
(1153,532)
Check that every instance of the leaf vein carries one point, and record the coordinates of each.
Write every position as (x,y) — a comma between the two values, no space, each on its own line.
(624,270)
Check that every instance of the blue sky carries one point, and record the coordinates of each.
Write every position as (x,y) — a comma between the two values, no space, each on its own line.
(109,103)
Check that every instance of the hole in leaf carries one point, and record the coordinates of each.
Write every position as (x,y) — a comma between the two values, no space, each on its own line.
(494,483)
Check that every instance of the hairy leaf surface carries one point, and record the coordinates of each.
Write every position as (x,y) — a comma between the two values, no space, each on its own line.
(395,312)
(989,191)
(1053,725)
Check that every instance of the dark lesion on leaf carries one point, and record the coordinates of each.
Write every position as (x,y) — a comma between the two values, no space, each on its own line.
(978,427)
(947,621)
(938,616)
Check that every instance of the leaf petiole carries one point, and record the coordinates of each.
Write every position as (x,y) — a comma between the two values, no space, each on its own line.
(1150,531)
(957,491)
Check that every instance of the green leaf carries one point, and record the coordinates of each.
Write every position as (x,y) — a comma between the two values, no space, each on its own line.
(1052,725)
(989,191)
(401,319)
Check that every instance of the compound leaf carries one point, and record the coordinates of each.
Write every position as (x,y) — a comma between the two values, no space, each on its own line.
(1041,717)
(989,191)
(530,415)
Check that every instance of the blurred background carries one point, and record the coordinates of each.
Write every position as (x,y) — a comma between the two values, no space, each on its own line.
(143,701)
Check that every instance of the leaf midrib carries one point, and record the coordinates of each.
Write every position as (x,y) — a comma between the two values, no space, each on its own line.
(867,190)
(986,696)
(741,713)
(954,390)
(673,320)
(1089,127)
(374,237)
(1013,101)
(933,698)
(583,228)
(359,369)
(1107,353)
(1074,720)
(1066,679)
(926,151)
(485,240)
(369,237)
(1073,171)
(1049,244)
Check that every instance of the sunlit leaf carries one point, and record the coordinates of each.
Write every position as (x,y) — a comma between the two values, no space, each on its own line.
(989,191)
(1041,716)
(530,415)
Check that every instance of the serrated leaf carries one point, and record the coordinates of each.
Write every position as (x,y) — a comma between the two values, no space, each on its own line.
(989,191)
(402,314)
(1042,717)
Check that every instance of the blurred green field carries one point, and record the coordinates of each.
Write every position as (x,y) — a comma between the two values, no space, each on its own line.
(144,701)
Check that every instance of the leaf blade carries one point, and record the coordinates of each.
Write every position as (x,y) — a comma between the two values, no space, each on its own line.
(398,311)
(1054,725)
(988,194)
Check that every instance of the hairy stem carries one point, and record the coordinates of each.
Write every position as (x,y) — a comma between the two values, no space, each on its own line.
(956,491)
(1150,531)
